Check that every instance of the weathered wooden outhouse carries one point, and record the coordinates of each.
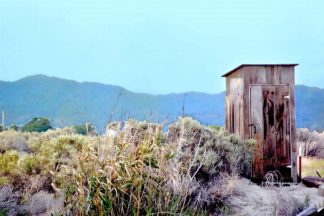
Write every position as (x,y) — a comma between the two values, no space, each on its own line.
(260,104)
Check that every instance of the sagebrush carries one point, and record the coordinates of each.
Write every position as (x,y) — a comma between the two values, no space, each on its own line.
(136,168)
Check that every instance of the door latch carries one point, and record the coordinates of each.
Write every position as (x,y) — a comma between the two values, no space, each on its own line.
(254,128)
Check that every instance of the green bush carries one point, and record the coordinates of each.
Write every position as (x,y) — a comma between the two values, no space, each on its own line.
(38,124)
(13,127)
(55,150)
(8,162)
(4,180)
(140,170)
(85,129)
(31,164)
(3,212)
(216,127)
(206,152)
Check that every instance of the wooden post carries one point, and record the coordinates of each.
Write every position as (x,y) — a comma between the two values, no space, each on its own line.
(3,120)
(300,166)
(183,104)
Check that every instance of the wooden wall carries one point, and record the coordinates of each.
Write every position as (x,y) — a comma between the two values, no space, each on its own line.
(234,122)
(238,101)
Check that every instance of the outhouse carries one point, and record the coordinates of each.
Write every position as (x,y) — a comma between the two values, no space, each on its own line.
(260,105)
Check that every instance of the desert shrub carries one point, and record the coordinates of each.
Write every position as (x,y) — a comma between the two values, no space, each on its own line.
(54,133)
(3,212)
(8,164)
(290,207)
(13,140)
(312,166)
(34,171)
(207,152)
(216,127)
(310,143)
(134,177)
(212,157)
(136,170)
(113,128)
(144,171)
(4,180)
(38,124)
(135,132)
(85,129)
(13,127)
(31,164)
(56,149)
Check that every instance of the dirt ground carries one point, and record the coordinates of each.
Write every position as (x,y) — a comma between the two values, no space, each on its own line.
(251,199)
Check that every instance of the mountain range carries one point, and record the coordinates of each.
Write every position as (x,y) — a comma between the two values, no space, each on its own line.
(68,102)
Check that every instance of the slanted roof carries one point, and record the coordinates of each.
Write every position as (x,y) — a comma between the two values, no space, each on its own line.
(243,65)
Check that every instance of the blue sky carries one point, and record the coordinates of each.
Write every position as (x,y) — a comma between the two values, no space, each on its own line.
(159,46)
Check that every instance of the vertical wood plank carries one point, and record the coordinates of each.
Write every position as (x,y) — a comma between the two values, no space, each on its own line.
(239,104)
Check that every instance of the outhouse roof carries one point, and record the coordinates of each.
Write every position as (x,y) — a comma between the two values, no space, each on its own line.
(243,65)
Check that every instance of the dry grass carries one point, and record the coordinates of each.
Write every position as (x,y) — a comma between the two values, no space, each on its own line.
(311,165)
(310,143)
(136,170)
(251,199)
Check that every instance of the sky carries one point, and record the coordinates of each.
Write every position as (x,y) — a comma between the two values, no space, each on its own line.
(158,46)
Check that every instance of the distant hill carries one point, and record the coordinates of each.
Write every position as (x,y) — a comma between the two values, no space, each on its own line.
(69,102)
(310,107)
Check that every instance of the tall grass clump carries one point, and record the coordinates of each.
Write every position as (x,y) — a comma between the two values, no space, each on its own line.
(129,175)
(136,168)
(191,169)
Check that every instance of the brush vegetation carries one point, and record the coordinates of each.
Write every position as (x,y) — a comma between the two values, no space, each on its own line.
(312,167)
(134,169)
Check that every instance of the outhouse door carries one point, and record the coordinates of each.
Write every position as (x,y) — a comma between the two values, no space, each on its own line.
(270,127)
